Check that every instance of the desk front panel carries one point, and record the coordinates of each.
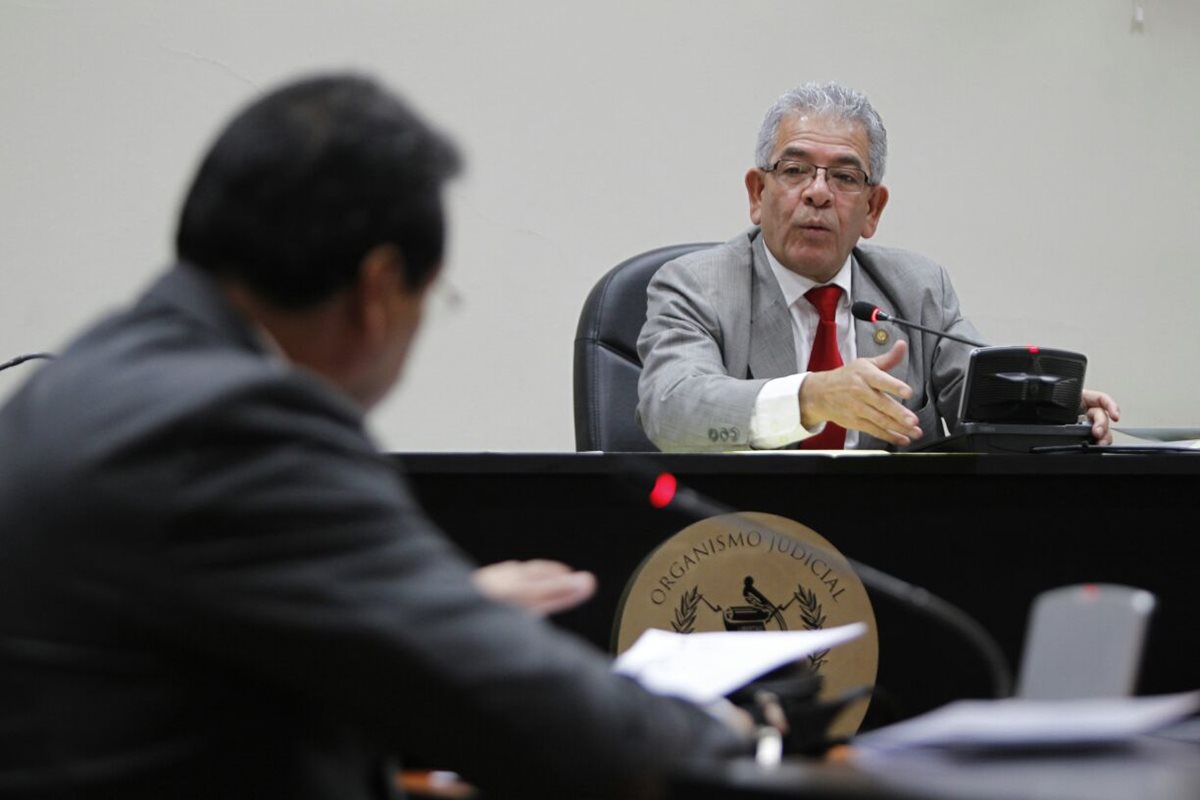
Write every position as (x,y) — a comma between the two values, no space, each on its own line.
(987,533)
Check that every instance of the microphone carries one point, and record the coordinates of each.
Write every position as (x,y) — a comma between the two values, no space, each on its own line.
(867,312)
(667,492)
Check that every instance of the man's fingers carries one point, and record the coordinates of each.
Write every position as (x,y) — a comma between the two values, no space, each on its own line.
(862,396)
(540,586)
(885,384)
(891,422)
(881,380)
(876,401)
(560,592)
(1094,399)
(1100,429)
(540,567)
(1100,409)
(893,357)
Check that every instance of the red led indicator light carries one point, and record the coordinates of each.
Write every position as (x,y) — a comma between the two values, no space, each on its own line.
(664,490)
(1033,348)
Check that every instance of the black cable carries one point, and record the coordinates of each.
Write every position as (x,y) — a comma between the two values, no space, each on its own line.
(12,362)
(949,614)
(1116,449)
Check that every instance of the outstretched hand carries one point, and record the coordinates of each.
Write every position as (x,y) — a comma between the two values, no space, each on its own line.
(862,396)
(539,586)
(1100,409)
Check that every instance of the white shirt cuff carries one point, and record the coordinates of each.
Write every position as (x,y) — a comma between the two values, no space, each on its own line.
(775,421)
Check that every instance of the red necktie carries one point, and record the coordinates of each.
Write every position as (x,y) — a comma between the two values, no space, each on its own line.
(825,355)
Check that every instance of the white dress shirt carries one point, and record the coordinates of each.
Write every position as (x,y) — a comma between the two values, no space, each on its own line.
(776,418)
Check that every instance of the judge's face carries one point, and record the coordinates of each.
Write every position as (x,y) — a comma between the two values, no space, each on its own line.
(811,229)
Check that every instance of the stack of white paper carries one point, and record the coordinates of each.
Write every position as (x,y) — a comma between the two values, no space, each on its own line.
(1019,723)
(702,667)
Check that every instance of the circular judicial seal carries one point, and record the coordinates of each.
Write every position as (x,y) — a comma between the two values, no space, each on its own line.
(757,572)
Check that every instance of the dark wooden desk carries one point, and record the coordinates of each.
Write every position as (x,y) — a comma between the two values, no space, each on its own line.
(987,533)
(1149,769)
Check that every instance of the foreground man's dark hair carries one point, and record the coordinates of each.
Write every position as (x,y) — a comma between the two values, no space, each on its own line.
(306,180)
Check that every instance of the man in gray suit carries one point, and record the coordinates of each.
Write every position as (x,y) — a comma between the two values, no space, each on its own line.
(729,331)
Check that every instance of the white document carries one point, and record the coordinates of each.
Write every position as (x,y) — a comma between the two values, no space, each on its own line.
(1016,722)
(1180,435)
(703,667)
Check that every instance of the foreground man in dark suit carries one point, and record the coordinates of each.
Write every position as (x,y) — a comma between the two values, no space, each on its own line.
(212,583)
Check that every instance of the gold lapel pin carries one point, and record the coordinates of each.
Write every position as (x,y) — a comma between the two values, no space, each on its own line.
(881,336)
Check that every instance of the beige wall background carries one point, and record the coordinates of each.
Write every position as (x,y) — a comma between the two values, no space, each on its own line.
(1046,151)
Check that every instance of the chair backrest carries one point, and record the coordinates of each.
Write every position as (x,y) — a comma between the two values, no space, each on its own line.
(606,360)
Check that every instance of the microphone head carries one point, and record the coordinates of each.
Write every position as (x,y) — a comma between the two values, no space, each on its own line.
(868,312)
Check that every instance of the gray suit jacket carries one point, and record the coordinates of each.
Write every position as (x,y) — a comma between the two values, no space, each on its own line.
(213,585)
(717,329)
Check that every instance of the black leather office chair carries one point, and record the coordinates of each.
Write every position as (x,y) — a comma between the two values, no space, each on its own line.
(606,360)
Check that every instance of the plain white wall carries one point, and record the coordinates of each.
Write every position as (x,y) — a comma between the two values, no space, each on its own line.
(1046,151)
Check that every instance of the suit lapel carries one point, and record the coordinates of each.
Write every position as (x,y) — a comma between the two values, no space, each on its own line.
(874,338)
(772,343)
(866,334)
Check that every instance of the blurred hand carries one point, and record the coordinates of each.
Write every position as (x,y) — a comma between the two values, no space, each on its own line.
(539,586)
(862,396)
(1099,409)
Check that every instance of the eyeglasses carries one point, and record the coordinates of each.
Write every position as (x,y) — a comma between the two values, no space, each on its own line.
(801,174)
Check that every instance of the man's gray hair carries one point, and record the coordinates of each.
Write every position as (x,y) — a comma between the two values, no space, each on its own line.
(826,98)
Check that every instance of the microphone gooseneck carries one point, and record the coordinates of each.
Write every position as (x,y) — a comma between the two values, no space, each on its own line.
(12,362)
(868,312)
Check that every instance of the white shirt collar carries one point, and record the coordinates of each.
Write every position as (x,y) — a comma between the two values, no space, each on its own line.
(794,286)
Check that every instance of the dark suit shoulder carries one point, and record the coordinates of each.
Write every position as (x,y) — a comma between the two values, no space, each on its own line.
(150,398)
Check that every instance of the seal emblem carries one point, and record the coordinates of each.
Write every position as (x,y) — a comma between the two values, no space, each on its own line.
(756,572)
